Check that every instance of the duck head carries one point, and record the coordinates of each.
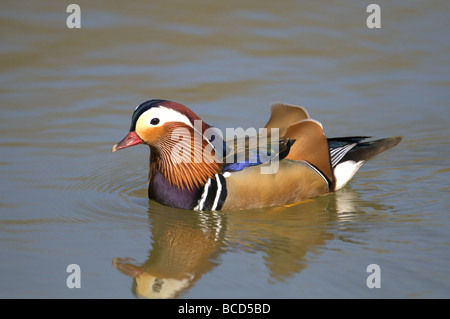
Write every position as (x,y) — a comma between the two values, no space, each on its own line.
(175,135)
(154,120)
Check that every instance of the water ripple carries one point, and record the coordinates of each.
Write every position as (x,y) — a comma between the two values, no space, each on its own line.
(111,190)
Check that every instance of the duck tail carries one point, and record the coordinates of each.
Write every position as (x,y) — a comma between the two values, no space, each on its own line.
(348,154)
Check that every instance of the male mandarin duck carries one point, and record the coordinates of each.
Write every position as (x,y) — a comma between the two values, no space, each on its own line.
(193,167)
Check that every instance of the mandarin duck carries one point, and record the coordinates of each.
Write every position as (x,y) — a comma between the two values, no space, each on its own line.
(193,166)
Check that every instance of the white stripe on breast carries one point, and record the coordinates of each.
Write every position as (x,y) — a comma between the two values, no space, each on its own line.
(201,202)
(219,191)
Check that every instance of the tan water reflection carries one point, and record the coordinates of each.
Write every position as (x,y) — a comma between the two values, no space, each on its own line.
(187,244)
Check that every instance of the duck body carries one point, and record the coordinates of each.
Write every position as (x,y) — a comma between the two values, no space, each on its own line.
(192,166)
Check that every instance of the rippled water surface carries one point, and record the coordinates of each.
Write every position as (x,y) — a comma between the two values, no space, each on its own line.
(67,96)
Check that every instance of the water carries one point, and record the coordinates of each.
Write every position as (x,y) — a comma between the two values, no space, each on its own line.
(67,96)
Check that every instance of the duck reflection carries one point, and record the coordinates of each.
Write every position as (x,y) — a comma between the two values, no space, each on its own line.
(186,244)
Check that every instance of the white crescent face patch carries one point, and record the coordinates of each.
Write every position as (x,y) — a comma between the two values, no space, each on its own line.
(159,116)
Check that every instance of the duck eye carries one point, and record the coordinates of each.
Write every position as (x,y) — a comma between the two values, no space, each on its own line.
(154,121)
